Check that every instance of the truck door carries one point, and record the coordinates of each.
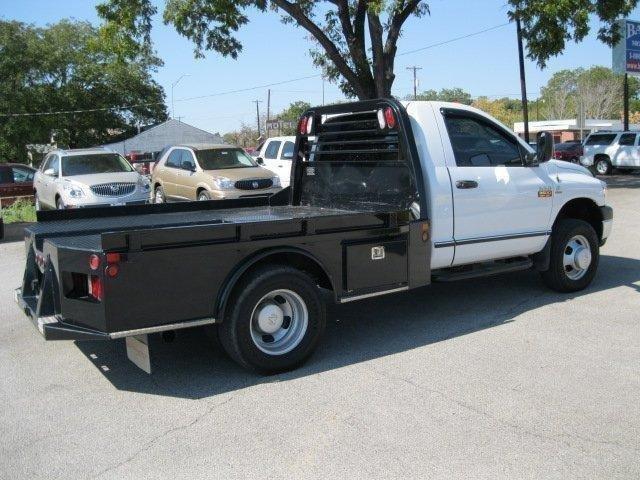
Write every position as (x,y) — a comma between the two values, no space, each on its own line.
(272,148)
(284,163)
(502,208)
(626,154)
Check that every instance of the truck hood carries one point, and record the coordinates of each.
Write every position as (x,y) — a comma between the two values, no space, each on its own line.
(100,178)
(572,167)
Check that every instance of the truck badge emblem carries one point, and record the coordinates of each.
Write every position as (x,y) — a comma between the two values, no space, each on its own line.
(377,253)
(545,192)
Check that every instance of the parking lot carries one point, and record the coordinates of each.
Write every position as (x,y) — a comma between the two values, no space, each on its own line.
(489,378)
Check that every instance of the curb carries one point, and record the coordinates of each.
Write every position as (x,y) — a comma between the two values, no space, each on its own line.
(14,232)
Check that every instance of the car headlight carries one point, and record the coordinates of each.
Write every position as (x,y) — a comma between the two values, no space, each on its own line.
(143,183)
(223,183)
(276,181)
(74,191)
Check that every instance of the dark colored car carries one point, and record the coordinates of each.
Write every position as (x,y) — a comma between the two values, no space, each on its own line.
(568,151)
(143,162)
(16,180)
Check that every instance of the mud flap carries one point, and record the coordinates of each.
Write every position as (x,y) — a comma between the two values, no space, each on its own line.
(138,351)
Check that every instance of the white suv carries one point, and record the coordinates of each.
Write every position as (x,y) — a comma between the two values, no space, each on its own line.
(276,154)
(88,178)
(608,150)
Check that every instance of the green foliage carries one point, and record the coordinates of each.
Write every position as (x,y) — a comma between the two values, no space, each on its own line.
(457,95)
(595,92)
(548,25)
(19,211)
(338,29)
(67,67)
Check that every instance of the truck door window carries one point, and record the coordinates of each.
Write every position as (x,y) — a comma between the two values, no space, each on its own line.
(272,150)
(287,151)
(476,143)
(175,158)
(627,139)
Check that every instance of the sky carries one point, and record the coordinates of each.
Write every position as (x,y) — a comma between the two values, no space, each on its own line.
(484,64)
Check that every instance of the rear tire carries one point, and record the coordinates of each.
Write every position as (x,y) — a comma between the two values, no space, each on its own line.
(60,204)
(603,166)
(274,320)
(575,254)
(36,201)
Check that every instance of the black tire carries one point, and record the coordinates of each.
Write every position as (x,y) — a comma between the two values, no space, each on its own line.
(36,202)
(235,331)
(159,193)
(204,196)
(556,277)
(60,204)
(604,164)
(575,160)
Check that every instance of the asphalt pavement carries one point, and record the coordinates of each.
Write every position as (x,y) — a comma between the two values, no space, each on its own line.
(490,378)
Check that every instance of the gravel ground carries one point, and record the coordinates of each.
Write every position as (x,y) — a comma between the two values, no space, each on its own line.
(490,378)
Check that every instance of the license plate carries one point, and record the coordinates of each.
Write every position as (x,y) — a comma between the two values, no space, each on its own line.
(118,204)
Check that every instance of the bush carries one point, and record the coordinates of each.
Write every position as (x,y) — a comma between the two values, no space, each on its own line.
(20,211)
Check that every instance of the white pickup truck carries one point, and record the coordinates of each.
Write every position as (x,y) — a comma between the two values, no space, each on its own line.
(605,150)
(384,197)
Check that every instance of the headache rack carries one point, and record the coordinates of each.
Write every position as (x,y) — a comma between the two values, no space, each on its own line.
(357,156)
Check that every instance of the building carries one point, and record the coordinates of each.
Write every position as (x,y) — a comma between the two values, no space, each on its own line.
(171,132)
(564,130)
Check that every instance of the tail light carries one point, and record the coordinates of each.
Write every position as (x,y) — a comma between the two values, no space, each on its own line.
(95,287)
(94,262)
(113,259)
(386,118)
(305,125)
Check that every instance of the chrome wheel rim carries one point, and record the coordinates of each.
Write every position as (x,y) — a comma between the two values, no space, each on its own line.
(59,205)
(601,166)
(158,197)
(202,198)
(577,257)
(279,322)
(37,203)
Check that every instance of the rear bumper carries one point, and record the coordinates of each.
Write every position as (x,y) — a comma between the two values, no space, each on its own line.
(52,328)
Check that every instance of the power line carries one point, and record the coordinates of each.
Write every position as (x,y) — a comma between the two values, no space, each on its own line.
(247,89)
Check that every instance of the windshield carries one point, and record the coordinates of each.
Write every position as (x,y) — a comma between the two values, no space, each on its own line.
(94,163)
(221,158)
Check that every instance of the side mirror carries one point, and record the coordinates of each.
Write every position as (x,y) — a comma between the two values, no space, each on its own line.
(545,146)
(260,161)
(50,172)
(186,165)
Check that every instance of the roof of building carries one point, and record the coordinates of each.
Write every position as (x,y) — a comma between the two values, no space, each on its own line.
(171,132)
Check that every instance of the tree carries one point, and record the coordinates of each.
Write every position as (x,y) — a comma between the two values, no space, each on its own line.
(356,40)
(445,95)
(548,25)
(66,68)
(595,93)
(292,114)
(506,110)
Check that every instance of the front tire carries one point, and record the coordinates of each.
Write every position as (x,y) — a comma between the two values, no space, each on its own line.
(575,254)
(36,201)
(274,320)
(204,196)
(60,204)
(603,166)
(158,196)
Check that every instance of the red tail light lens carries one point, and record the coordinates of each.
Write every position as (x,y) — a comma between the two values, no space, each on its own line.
(113,258)
(302,126)
(112,270)
(95,287)
(389,117)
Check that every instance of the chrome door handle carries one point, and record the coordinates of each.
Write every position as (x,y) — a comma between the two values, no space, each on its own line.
(466,184)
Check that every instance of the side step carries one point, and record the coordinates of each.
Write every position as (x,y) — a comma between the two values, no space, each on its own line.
(482,269)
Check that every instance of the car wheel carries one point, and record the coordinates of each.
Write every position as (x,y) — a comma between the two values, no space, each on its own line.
(36,201)
(158,196)
(274,320)
(603,166)
(575,254)
(59,204)
(203,196)
(575,160)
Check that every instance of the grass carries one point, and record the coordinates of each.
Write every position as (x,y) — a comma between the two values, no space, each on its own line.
(20,211)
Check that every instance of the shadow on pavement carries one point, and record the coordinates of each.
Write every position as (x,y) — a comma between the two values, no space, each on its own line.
(628,180)
(194,367)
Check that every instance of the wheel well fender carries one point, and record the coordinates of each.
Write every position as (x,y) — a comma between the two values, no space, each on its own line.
(603,156)
(295,257)
(582,209)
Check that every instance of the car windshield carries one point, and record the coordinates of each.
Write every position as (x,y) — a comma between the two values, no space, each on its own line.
(94,163)
(221,158)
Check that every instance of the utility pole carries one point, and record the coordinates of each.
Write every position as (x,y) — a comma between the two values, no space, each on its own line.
(258,102)
(626,102)
(415,80)
(266,127)
(523,81)
(173,108)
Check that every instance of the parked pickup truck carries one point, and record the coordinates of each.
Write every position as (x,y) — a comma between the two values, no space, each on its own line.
(384,197)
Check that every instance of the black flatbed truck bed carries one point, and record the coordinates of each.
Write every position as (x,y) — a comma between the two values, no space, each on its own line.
(118,272)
